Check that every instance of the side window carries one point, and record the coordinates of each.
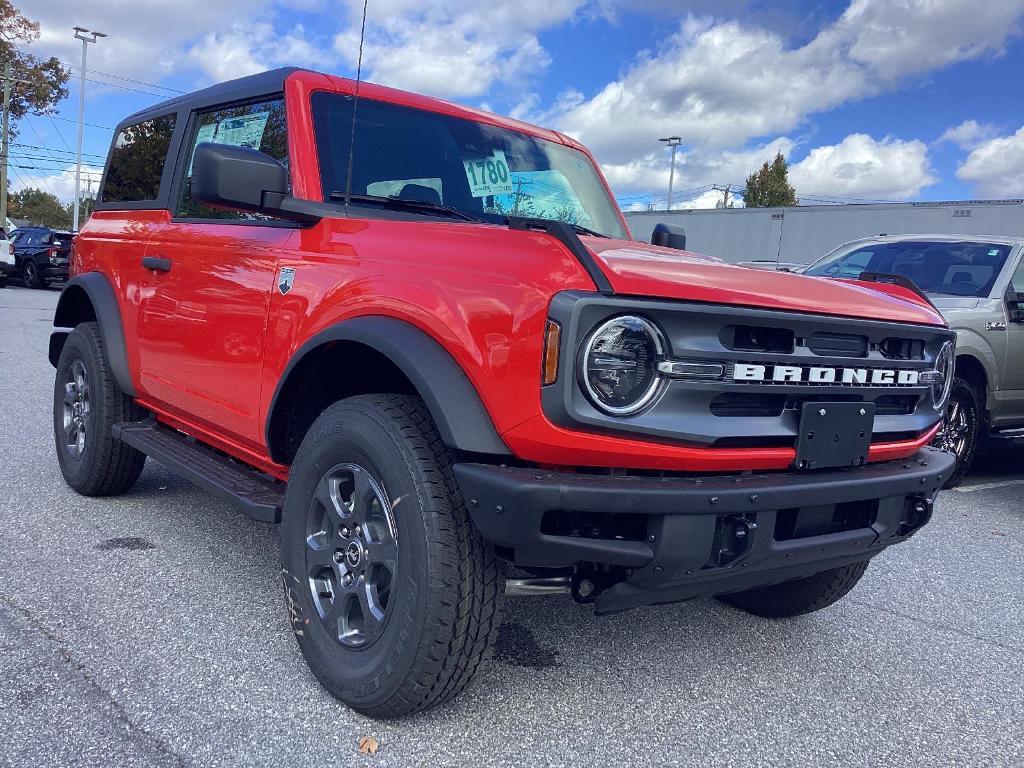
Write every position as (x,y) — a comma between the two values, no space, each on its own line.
(260,125)
(1017,281)
(137,161)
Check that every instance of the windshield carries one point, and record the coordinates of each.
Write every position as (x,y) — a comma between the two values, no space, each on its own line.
(480,170)
(941,268)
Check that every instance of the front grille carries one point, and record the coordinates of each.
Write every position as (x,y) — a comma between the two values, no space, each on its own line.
(838,345)
(754,410)
(895,348)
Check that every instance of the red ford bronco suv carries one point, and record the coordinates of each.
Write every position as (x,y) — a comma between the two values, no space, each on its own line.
(422,338)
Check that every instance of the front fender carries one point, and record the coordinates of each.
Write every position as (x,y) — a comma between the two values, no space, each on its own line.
(453,402)
(86,297)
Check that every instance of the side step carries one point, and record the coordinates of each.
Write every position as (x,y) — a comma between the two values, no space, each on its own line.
(254,493)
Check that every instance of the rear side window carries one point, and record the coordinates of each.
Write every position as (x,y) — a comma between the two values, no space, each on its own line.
(137,161)
(259,125)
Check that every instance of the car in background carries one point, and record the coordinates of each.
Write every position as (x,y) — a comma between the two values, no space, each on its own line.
(42,255)
(977,283)
(773,265)
(6,258)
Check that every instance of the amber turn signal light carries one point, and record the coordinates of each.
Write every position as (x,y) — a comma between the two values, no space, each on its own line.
(552,340)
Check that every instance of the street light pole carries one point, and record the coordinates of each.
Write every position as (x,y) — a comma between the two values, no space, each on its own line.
(672,141)
(86,36)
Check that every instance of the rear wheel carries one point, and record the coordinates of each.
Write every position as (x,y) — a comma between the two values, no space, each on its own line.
(393,596)
(961,429)
(793,598)
(30,274)
(86,405)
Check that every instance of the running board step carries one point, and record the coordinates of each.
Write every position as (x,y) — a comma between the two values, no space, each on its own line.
(254,493)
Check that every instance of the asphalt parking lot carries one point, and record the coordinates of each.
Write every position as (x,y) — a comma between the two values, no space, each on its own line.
(150,630)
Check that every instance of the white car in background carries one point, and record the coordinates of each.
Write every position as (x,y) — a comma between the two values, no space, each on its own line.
(6,258)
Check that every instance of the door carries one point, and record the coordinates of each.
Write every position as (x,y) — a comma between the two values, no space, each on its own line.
(1012,379)
(206,288)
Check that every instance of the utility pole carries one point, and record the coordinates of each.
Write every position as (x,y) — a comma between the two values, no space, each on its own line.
(3,144)
(86,36)
(672,141)
(725,193)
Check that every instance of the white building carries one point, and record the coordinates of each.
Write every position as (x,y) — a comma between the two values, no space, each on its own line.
(804,233)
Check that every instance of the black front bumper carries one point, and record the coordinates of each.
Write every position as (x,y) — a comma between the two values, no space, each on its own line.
(6,269)
(677,538)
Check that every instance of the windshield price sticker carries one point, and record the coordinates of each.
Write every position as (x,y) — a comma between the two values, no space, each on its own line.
(489,176)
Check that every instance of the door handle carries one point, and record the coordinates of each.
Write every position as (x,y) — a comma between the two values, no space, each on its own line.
(156,263)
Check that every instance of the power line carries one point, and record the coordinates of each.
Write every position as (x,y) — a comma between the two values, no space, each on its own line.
(52,150)
(59,134)
(91,125)
(125,79)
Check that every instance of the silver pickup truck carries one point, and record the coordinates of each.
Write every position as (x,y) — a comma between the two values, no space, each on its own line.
(977,283)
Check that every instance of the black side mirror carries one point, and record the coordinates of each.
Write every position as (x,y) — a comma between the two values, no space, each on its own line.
(243,179)
(669,236)
(1013,308)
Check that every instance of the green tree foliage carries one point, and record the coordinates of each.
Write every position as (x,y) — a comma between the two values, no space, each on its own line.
(45,79)
(769,187)
(39,208)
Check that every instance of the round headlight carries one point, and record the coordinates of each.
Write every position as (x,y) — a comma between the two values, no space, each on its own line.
(619,366)
(942,386)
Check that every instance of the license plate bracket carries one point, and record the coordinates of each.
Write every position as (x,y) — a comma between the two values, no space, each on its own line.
(834,435)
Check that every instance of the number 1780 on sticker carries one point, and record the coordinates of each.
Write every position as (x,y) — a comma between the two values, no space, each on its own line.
(488,176)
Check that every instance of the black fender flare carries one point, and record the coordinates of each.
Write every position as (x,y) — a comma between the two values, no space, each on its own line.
(69,313)
(453,402)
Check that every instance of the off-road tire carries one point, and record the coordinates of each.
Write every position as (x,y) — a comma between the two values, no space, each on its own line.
(793,598)
(106,466)
(966,396)
(447,597)
(30,275)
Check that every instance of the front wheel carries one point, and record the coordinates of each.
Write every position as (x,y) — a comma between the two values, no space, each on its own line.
(393,596)
(799,596)
(961,429)
(86,405)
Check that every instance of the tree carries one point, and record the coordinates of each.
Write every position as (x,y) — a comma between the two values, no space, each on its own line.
(39,208)
(769,187)
(45,79)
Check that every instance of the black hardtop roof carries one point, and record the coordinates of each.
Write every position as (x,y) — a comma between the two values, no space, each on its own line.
(241,88)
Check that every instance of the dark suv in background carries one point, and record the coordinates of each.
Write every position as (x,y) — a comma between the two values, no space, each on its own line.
(41,255)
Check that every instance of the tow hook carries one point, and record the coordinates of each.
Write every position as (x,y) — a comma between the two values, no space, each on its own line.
(917,512)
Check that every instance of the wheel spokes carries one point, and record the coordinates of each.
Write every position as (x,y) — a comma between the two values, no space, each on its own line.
(351,554)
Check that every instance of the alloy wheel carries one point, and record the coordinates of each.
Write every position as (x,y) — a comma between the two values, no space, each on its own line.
(351,555)
(76,409)
(955,430)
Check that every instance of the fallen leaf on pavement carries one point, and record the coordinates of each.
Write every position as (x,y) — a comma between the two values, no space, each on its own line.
(368,745)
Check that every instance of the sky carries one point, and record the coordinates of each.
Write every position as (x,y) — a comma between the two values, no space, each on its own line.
(870,100)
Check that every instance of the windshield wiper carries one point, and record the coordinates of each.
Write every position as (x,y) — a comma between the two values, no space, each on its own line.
(424,206)
(540,220)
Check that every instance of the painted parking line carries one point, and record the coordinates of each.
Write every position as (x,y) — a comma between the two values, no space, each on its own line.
(989,486)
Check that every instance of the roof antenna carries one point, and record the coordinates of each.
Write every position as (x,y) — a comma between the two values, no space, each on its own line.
(355,108)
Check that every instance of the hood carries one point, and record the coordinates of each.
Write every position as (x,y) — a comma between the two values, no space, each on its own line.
(640,269)
(954,303)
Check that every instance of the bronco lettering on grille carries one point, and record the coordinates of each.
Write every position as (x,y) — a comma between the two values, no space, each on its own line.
(792,374)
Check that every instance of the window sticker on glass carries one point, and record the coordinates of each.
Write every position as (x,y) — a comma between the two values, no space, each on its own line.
(245,131)
(488,176)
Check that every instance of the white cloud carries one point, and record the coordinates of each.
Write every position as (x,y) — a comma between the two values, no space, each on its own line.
(996,167)
(861,167)
(721,84)
(60,183)
(452,48)
(968,134)
(245,49)
(694,168)
(145,40)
